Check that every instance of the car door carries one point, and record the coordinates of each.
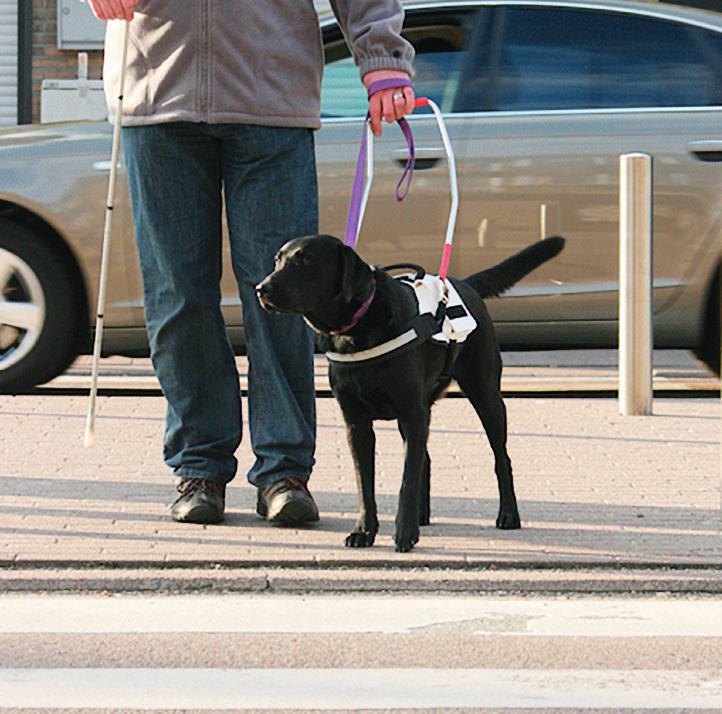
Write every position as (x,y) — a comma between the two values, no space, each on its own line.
(554,96)
(413,230)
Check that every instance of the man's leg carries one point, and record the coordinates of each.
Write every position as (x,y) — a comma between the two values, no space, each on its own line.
(271,197)
(175,181)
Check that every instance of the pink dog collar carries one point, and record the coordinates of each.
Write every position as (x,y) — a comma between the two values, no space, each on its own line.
(356,316)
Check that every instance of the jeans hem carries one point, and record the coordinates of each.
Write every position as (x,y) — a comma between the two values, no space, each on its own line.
(199,473)
(275,478)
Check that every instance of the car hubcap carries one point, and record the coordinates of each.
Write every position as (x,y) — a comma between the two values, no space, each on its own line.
(22,309)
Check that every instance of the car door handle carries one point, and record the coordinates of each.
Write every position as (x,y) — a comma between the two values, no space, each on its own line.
(426,158)
(103,167)
(706,149)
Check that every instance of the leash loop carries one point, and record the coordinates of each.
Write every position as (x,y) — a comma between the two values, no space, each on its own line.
(364,166)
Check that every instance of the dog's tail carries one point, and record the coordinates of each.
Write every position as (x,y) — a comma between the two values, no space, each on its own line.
(492,282)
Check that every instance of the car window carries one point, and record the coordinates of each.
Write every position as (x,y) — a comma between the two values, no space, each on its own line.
(585,59)
(441,49)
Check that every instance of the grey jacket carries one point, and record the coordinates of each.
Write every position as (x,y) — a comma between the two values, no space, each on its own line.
(241,61)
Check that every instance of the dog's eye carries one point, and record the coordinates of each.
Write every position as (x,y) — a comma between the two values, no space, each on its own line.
(298,259)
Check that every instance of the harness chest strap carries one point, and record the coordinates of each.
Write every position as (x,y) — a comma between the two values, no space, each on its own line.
(421,328)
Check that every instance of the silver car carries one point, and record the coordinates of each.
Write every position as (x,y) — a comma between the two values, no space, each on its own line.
(540,99)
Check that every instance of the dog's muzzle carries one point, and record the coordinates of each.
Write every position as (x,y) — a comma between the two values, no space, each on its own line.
(263,290)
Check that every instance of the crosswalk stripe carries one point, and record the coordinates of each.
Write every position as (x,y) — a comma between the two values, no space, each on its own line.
(550,617)
(530,681)
(324,689)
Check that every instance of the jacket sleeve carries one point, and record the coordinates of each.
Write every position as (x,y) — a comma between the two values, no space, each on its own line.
(372,29)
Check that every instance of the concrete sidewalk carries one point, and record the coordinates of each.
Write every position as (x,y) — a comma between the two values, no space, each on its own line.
(607,503)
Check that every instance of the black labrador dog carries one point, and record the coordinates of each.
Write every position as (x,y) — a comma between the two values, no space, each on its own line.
(353,308)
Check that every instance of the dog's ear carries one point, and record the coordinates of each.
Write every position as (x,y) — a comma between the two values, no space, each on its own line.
(355,274)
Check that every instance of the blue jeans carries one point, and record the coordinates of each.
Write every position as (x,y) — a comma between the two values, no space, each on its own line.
(177,172)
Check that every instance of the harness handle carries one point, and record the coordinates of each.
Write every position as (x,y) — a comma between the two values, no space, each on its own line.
(453,183)
(365,165)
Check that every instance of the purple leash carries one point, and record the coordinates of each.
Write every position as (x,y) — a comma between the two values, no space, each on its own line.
(354,207)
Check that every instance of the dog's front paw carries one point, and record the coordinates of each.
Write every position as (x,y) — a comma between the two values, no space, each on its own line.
(360,539)
(508,520)
(406,539)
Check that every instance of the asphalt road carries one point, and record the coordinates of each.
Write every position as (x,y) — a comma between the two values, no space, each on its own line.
(265,652)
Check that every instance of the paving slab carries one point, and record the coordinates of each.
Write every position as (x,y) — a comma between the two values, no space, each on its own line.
(598,492)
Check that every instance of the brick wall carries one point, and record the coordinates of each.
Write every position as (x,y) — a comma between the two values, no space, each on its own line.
(50,62)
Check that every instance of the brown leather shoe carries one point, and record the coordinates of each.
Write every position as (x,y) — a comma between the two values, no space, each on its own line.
(200,501)
(287,503)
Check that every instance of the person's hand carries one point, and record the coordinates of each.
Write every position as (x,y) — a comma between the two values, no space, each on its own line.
(113,9)
(391,104)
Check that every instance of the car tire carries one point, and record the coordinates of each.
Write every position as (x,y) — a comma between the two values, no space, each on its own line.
(39,315)
(709,350)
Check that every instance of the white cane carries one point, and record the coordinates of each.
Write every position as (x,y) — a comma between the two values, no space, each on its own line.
(105,255)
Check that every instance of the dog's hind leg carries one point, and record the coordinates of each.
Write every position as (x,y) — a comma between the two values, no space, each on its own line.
(485,397)
(362,441)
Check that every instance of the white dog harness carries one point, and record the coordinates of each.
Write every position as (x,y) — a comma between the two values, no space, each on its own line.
(442,317)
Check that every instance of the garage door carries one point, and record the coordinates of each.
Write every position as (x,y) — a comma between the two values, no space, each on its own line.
(8,62)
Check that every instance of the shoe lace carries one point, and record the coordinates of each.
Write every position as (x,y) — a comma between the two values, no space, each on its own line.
(189,485)
(290,483)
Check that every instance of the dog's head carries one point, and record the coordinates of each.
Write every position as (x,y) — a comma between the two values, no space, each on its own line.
(316,276)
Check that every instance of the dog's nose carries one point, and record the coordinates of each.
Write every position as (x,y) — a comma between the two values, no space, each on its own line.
(262,289)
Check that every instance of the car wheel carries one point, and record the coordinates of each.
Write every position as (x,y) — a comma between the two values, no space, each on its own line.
(709,350)
(38,313)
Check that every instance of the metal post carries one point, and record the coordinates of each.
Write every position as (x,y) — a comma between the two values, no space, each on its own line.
(635,285)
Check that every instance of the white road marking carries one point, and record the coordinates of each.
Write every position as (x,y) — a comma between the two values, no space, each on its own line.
(322,689)
(600,617)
